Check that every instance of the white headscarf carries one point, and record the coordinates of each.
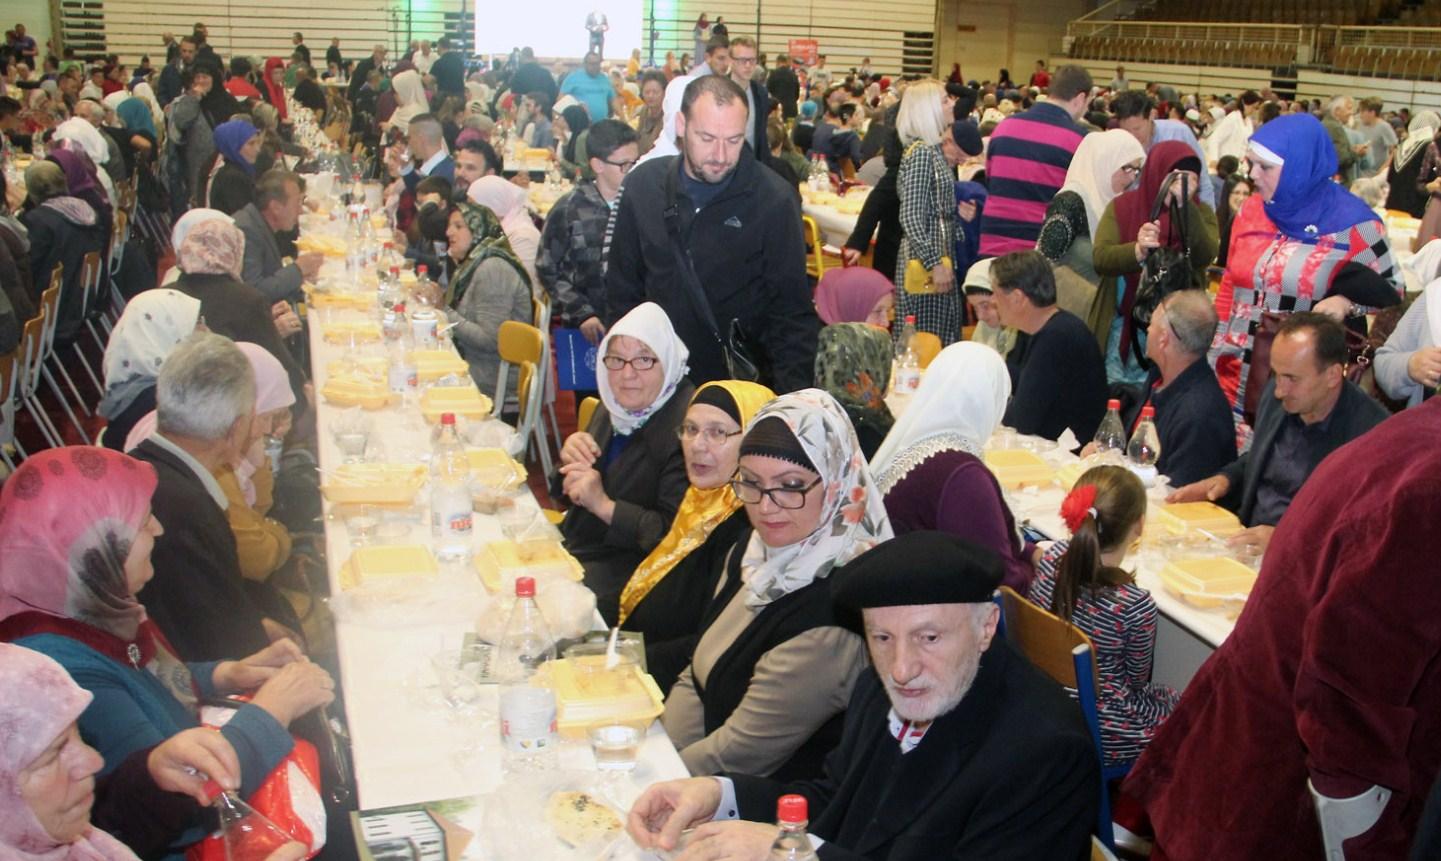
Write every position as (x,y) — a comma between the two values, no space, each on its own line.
(89,138)
(154,322)
(143,91)
(112,102)
(853,515)
(958,406)
(1419,132)
(648,324)
(1426,263)
(410,101)
(1096,160)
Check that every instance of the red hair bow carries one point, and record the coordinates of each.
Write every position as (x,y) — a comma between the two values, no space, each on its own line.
(1079,503)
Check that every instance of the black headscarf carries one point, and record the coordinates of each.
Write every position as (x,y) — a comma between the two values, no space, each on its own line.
(578,121)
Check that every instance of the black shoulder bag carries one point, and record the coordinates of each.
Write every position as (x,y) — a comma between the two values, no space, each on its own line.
(1165,269)
(743,357)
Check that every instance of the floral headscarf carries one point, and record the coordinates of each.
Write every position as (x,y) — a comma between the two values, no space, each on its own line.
(487,241)
(154,322)
(700,512)
(212,248)
(853,518)
(647,323)
(38,702)
(853,364)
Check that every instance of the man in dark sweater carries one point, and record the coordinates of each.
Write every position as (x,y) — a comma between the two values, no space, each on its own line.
(1308,410)
(1058,377)
(784,86)
(1193,417)
(448,70)
(529,77)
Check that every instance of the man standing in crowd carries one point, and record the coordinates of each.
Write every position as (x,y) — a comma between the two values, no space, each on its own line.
(1308,410)
(737,226)
(1338,124)
(1119,84)
(376,60)
(596,25)
(168,88)
(743,62)
(717,62)
(954,747)
(423,60)
(529,77)
(1377,137)
(278,196)
(819,76)
(1026,163)
(448,69)
(569,265)
(332,54)
(591,87)
(301,51)
(1135,112)
(1327,695)
(785,87)
(1040,77)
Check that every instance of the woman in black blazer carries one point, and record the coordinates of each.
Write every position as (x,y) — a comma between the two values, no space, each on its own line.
(625,474)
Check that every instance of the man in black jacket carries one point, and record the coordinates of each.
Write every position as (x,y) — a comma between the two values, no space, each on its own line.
(954,747)
(743,63)
(376,60)
(1308,410)
(737,228)
(785,86)
(529,77)
(448,70)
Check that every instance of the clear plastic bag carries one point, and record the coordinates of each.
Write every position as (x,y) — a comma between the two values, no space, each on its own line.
(516,824)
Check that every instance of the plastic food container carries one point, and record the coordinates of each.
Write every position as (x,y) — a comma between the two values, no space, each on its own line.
(1209,582)
(398,560)
(1179,517)
(374,483)
(1014,467)
(500,562)
(356,390)
(433,364)
(339,300)
(587,694)
(465,401)
(363,331)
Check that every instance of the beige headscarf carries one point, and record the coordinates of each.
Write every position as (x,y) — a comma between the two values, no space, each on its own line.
(212,247)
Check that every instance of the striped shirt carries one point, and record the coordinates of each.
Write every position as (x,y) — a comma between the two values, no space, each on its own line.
(1026,164)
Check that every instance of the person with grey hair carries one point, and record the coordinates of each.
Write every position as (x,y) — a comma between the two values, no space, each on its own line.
(1193,417)
(1338,124)
(205,414)
(278,195)
(62,229)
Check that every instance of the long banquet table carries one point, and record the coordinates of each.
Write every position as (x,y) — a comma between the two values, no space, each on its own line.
(408,746)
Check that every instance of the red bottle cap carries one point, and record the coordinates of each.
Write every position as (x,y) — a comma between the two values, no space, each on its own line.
(422,269)
(791,808)
(447,419)
(1148,412)
(1113,404)
(525,588)
(399,307)
(213,790)
(910,318)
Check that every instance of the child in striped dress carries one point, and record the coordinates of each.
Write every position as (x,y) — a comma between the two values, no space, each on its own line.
(1081,581)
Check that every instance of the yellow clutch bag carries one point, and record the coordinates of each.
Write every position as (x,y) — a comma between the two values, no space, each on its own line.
(918,277)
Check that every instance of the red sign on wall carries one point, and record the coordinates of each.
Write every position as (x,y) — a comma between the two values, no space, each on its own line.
(803,51)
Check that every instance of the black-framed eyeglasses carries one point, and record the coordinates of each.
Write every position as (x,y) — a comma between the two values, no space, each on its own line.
(743,61)
(712,434)
(640,363)
(624,166)
(789,498)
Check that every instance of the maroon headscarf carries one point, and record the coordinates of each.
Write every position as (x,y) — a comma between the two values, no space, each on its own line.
(82,180)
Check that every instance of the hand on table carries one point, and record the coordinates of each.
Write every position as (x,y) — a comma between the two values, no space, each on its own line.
(252,672)
(1253,540)
(1205,490)
(666,809)
(593,330)
(1424,366)
(309,264)
(287,322)
(174,762)
(580,447)
(943,278)
(295,690)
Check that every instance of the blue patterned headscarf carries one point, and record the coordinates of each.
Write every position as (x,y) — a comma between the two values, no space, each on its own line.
(1308,204)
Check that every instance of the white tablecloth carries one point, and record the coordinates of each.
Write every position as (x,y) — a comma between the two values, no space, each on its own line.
(836,226)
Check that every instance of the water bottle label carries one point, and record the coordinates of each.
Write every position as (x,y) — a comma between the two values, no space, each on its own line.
(458,523)
(527,719)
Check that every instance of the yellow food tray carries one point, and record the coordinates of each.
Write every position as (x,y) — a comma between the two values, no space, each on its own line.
(330,246)
(1179,517)
(398,560)
(500,562)
(1209,581)
(486,460)
(1015,467)
(374,483)
(464,401)
(377,367)
(364,331)
(434,364)
(356,391)
(586,695)
(342,301)
(534,152)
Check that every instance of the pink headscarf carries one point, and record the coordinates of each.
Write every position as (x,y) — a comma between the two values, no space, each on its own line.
(212,247)
(38,702)
(847,295)
(504,198)
(67,519)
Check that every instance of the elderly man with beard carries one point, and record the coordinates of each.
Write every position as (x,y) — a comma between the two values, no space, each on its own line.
(955,747)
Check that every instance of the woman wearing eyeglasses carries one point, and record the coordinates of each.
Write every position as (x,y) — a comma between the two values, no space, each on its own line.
(624,474)
(773,670)
(669,591)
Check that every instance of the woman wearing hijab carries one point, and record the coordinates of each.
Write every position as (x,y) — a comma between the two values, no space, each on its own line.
(930,468)
(855,294)
(1406,192)
(273,85)
(410,100)
(625,474)
(1126,234)
(153,323)
(666,597)
(209,258)
(76,533)
(773,670)
(62,228)
(1288,243)
(182,228)
(84,179)
(508,201)
(575,128)
(232,178)
(1104,166)
(189,140)
(853,365)
(145,93)
(487,287)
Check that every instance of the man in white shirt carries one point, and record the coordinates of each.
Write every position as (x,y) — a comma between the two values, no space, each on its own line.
(423,59)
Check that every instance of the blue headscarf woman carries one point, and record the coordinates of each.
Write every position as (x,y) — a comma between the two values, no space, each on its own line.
(232,177)
(1289,242)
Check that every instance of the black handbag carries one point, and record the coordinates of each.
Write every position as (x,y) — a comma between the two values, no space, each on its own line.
(1165,269)
(744,358)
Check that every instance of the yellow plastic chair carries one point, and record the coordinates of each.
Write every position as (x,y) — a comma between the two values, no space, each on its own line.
(523,346)
(815,261)
(585,412)
(926,345)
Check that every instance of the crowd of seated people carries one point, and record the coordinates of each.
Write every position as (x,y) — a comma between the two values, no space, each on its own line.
(812,563)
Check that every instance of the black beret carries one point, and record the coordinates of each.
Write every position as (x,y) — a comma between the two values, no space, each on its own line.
(967,136)
(924,567)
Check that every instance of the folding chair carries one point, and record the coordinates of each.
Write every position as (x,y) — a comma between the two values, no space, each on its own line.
(110,280)
(1063,652)
(541,313)
(522,345)
(91,276)
(815,261)
(27,383)
(9,385)
(50,301)
(585,412)
(926,345)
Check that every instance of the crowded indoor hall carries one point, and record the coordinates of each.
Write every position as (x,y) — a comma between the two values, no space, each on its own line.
(720,431)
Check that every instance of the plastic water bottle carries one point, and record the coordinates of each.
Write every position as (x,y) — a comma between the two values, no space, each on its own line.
(527,712)
(1111,435)
(247,834)
(403,376)
(792,843)
(1145,447)
(393,323)
(425,292)
(908,364)
(450,505)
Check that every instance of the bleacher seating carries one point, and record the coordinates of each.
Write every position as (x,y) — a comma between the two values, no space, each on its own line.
(1192,52)
(1337,12)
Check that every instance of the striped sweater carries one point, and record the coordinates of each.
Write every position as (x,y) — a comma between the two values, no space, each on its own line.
(1026,164)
